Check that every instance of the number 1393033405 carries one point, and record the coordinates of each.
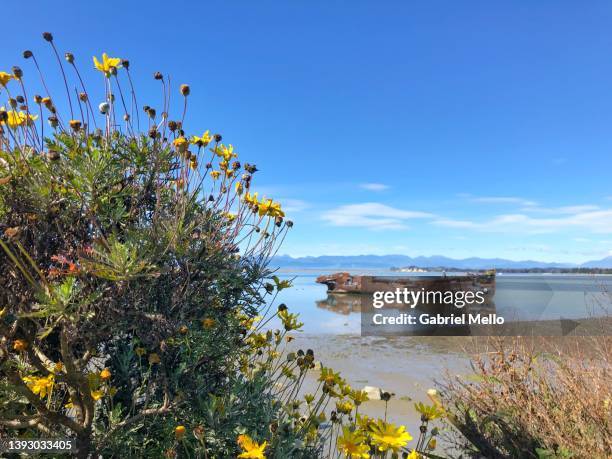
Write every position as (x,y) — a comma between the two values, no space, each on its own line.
(39,445)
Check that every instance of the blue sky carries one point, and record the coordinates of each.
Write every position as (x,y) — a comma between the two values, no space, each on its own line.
(420,128)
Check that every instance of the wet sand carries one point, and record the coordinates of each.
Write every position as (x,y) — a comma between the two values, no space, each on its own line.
(406,366)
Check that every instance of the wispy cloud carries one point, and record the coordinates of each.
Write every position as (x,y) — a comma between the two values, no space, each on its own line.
(292,206)
(372,215)
(374,186)
(565,210)
(593,221)
(499,200)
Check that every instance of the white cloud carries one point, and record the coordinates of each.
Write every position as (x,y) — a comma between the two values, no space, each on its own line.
(292,206)
(566,210)
(372,215)
(593,221)
(374,186)
(502,200)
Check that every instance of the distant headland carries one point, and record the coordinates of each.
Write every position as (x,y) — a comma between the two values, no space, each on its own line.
(438,262)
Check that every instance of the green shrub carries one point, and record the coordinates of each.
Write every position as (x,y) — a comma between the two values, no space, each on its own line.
(133,273)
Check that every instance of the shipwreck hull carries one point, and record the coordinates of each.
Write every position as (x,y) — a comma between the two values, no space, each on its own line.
(347,283)
(355,293)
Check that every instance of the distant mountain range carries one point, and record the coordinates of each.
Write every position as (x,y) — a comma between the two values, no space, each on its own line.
(388,261)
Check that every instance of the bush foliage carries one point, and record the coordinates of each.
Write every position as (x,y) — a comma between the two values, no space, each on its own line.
(135,296)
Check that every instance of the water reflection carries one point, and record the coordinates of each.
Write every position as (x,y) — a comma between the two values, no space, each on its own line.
(517,298)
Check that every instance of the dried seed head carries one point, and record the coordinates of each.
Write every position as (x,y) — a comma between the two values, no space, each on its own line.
(47,36)
(83,97)
(17,72)
(104,107)
(185,90)
(158,76)
(146,108)
(27,54)
(172,125)
(53,155)
(37,98)
(12,102)
(153,132)
(151,112)
(53,121)
(236,165)
(198,432)
(125,64)
(69,57)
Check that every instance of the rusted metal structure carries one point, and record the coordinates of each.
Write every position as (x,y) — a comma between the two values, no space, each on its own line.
(344,282)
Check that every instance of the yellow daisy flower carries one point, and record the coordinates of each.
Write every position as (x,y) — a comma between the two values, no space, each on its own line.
(251,449)
(388,437)
(107,64)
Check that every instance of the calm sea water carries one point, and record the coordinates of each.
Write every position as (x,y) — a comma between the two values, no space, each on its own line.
(517,297)
(409,365)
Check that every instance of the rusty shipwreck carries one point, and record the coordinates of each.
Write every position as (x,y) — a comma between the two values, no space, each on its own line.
(344,282)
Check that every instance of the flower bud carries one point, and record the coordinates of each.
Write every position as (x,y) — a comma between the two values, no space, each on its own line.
(37,99)
(75,125)
(83,97)
(104,107)
(69,57)
(27,54)
(53,121)
(125,64)
(47,36)
(185,90)
(20,99)
(198,432)
(218,137)
(158,76)
(172,125)
(17,72)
